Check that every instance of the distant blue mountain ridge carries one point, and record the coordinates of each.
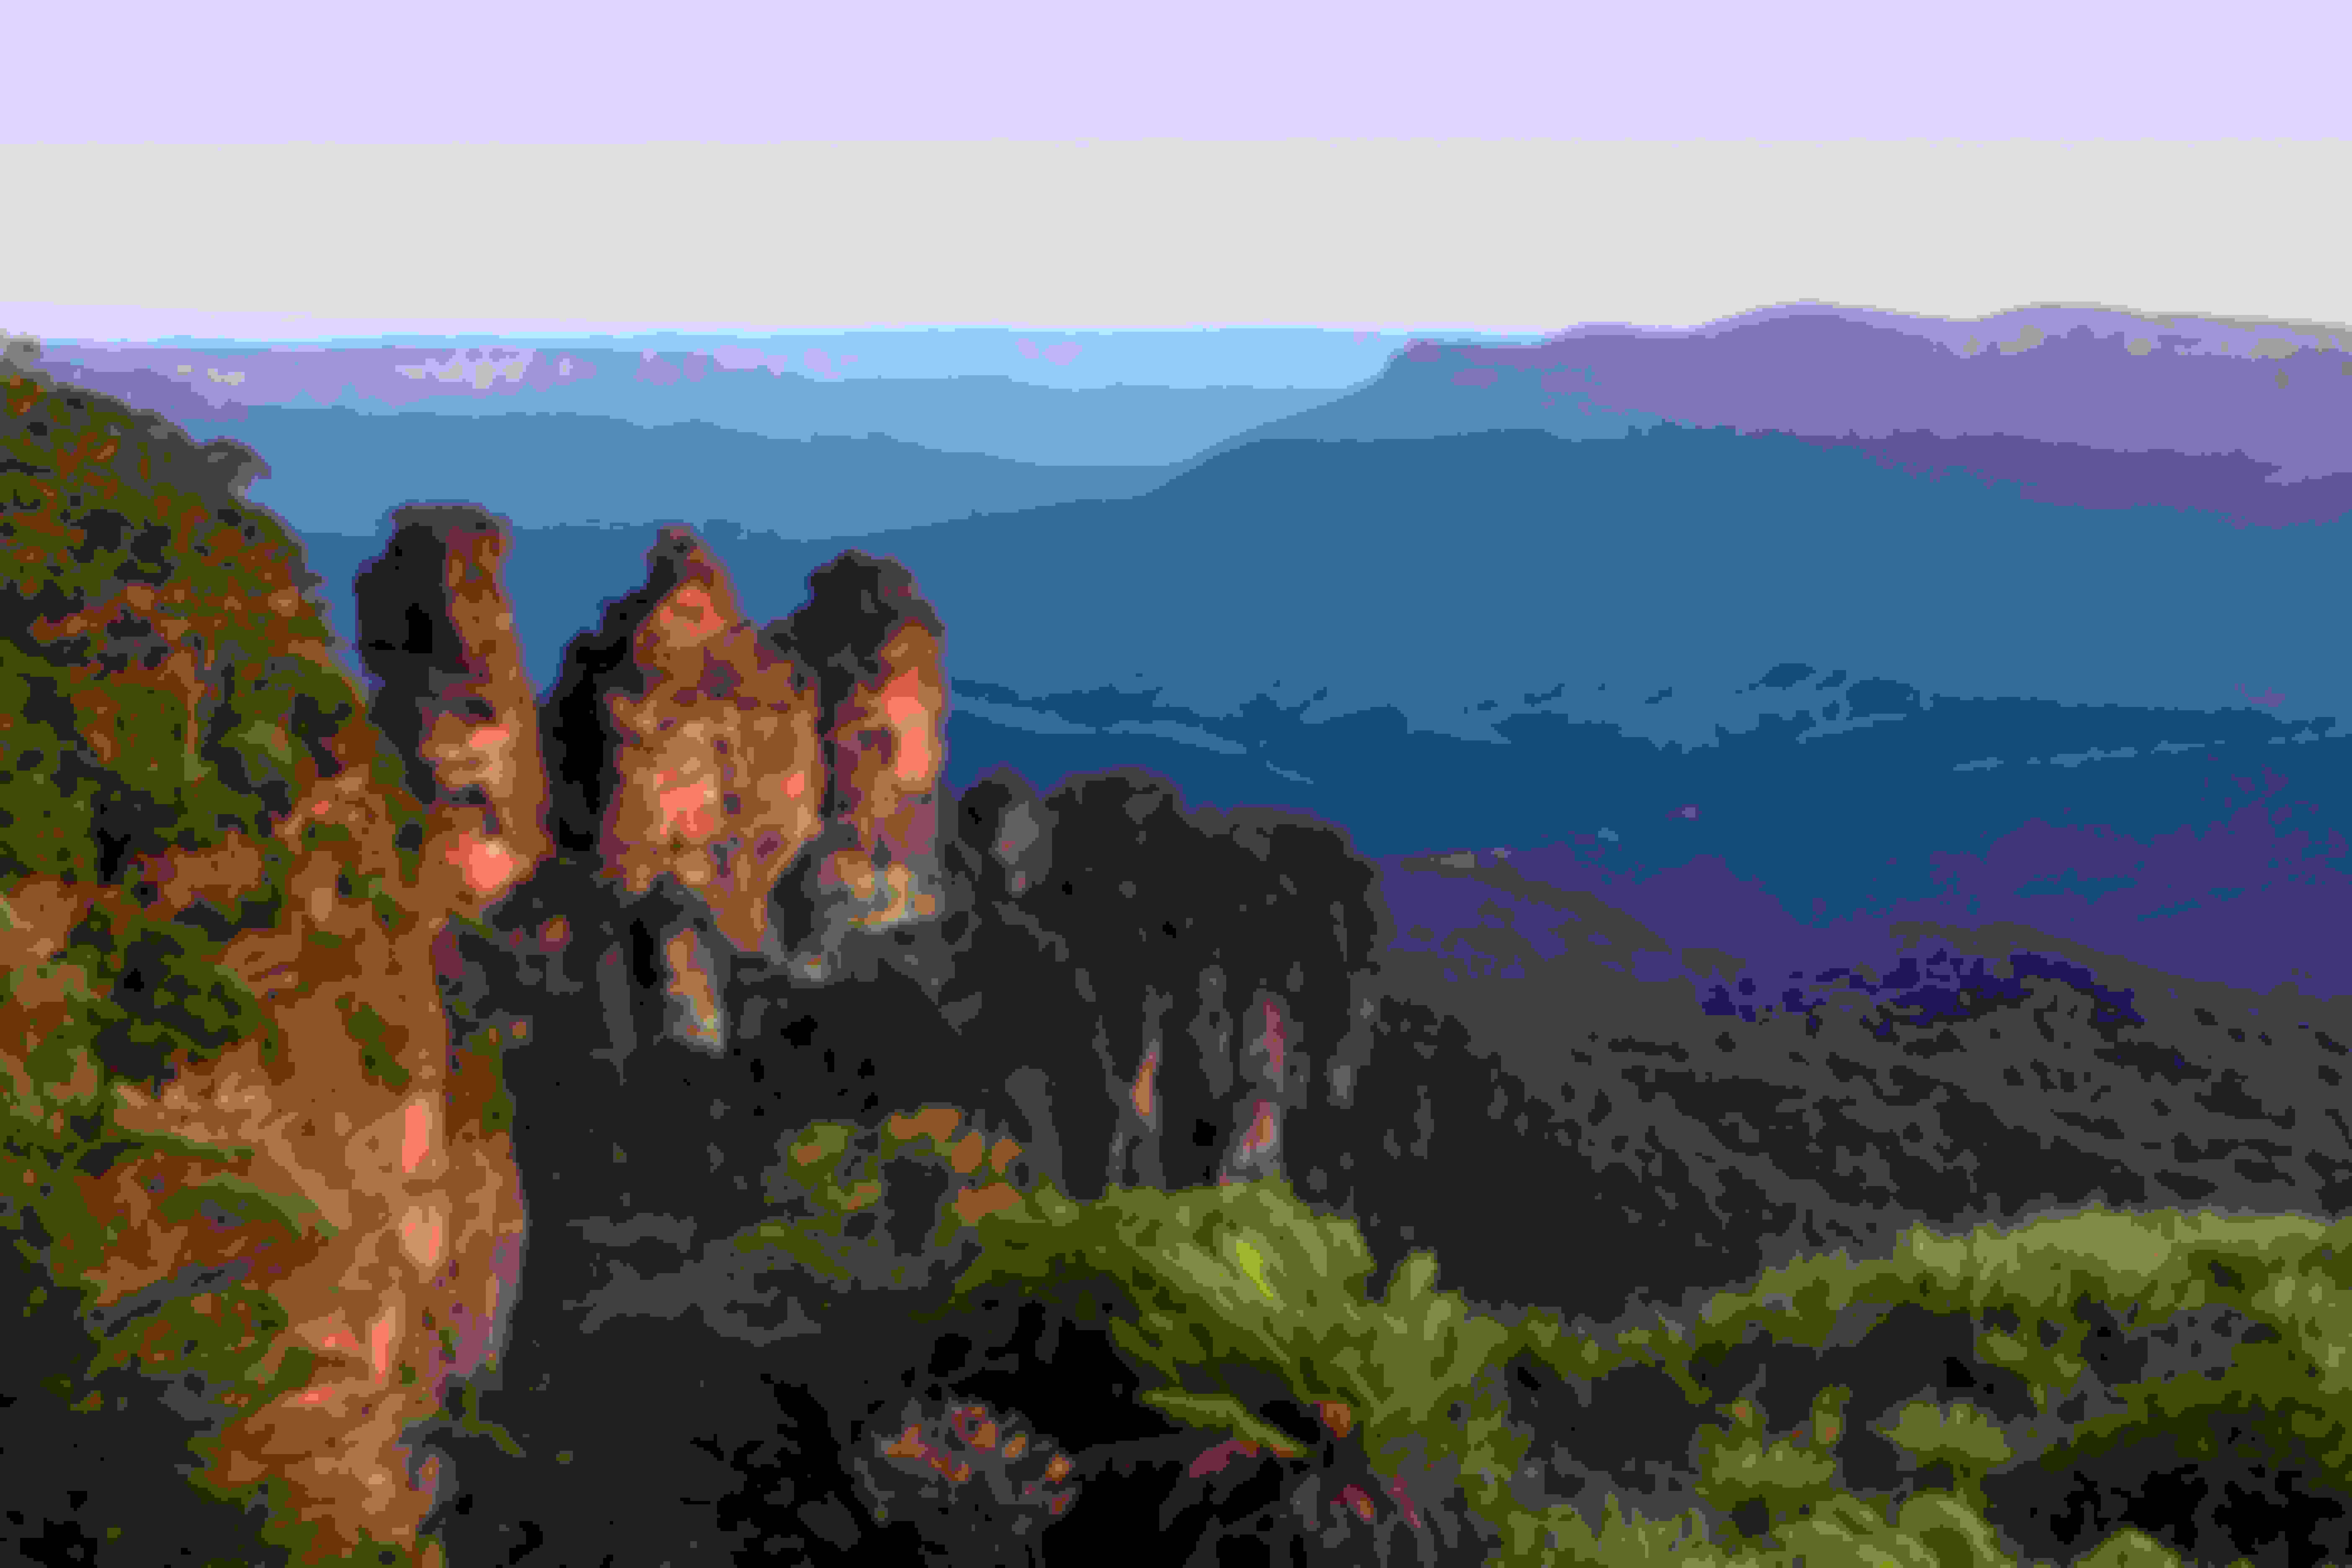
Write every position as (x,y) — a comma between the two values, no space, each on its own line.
(1288,358)
(341,471)
(1017,418)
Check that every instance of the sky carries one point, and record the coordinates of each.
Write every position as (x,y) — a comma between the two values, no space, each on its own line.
(289,170)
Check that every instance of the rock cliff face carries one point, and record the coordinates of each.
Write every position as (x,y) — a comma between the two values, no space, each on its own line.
(736,935)
(284,1199)
(878,649)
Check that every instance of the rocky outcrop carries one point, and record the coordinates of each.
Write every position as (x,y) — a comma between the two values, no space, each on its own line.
(740,816)
(763,911)
(391,963)
(878,649)
(684,752)
(435,629)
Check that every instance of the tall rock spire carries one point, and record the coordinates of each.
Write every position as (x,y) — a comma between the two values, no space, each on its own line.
(685,749)
(878,651)
(437,638)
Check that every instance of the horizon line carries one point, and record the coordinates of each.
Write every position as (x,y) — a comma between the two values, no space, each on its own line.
(573,334)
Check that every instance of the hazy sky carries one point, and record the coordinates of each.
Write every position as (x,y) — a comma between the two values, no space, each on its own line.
(285,168)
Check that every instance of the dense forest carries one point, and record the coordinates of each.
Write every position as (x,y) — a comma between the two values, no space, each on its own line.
(656,1123)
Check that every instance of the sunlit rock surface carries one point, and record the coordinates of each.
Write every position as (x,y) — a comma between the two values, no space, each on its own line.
(684,745)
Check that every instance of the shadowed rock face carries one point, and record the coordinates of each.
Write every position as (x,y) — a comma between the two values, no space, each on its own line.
(1203,956)
(878,649)
(437,635)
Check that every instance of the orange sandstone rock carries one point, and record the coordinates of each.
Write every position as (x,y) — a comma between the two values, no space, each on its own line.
(683,749)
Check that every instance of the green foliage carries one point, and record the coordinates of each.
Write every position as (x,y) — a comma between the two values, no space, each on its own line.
(1239,1297)
(2035,1280)
(377,1061)
(1958,1435)
(1954,1532)
(464,1408)
(166,996)
(48,815)
(2130,1548)
(238,1202)
(1240,1306)
(929,1170)
(56,1077)
(1737,1467)
(221,1336)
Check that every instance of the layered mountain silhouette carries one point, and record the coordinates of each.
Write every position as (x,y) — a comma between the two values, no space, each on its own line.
(729,387)
(339,469)
(1925,394)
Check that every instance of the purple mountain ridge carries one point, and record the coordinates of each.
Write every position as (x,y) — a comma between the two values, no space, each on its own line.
(2089,378)
(2249,419)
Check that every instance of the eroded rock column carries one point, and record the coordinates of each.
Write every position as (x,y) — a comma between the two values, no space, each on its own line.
(436,636)
(878,651)
(685,747)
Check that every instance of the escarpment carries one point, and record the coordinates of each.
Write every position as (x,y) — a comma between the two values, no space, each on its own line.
(267,1184)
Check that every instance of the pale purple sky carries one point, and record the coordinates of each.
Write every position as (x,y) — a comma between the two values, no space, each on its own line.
(577,70)
(1463,164)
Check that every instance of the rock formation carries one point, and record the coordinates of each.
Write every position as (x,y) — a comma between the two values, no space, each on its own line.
(684,746)
(406,960)
(878,651)
(435,630)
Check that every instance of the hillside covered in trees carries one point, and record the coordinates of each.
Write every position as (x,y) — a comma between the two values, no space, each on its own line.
(659,1122)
